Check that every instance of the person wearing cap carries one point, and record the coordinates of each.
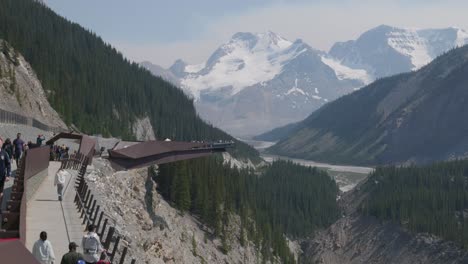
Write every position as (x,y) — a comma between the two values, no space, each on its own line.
(92,247)
(72,257)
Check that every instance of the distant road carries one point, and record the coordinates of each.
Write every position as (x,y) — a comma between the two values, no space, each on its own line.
(340,168)
(262,145)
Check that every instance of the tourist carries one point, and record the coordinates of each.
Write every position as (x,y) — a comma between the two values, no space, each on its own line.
(60,179)
(4,161)
(72,257)
(42,250)
(8,148)
(92,247)
(18,145)
(39,140)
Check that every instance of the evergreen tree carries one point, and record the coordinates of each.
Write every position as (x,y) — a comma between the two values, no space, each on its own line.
(430,198)
(286,199)
(93,86)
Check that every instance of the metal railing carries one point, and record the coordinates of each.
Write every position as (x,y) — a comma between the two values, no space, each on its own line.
(8,117)
(91,212)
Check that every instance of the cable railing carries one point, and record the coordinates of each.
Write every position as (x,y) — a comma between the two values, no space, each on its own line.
(91,213)
(8,117)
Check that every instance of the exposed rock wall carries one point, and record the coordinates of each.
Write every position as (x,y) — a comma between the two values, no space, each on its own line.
(356,239)
(143,130)
(157,232)
(20,90)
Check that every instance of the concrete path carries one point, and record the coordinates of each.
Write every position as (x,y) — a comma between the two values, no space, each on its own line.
(59,219)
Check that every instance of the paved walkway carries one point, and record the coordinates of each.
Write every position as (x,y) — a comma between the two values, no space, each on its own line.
(59,219)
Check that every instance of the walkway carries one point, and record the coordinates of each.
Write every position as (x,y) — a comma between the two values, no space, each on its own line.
(59,219)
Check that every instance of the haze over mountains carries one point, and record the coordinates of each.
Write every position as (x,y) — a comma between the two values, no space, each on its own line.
(256,82)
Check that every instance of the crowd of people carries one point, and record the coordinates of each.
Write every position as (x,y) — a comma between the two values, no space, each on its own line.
(59,152)
(13,151)
(93,251)
(9,151)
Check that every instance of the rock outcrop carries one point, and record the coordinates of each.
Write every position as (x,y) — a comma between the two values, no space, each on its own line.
(156,232)
(20,90)
(143,130)
(355,239)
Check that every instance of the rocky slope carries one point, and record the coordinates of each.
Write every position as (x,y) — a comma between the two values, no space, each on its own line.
(356,239)
(157,232)
(20,90)
(415,117)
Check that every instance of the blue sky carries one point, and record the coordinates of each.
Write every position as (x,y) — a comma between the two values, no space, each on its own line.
(163,31)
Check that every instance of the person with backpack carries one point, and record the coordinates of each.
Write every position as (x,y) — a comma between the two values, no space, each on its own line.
(72,257)
(43,251)
(60,179)
(92,247)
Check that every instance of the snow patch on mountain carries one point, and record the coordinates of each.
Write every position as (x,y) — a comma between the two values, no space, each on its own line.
(462,37)
(409,43)
(194,68)
(296,90)
(346,73)
(247,59)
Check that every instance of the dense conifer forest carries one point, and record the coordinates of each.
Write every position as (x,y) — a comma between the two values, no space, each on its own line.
(285,198)
(432,199)
(93,86)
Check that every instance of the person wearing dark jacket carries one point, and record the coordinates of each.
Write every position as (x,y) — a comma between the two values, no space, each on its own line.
(39,140)
(18,145)
(8,148)
(4,161)
(72,256)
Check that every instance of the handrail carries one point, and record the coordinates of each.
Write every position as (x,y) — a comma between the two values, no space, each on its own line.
(90,211)
(15,118)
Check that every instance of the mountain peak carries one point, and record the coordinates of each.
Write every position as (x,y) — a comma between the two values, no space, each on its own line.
(264,40)
(243,36)
(178,68)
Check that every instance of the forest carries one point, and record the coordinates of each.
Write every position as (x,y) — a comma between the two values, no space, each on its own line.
(285,198)
(432,198)
(94,87)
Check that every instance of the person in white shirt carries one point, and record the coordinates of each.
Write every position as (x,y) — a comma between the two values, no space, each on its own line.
(91,245)
(60,179)
(43,251)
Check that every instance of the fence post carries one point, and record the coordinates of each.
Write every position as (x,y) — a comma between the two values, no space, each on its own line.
(124,254)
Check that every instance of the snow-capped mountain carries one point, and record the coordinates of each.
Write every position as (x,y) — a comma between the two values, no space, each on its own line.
(387,50)
(256,82)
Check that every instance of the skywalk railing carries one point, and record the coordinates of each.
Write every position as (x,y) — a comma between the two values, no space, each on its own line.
(91,212)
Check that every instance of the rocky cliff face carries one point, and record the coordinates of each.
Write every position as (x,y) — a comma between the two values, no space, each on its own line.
(20,90)
(157,232)
(356,239)
(143,130)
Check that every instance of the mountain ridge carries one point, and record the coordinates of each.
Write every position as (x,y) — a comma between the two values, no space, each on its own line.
(288,80)
(371,125)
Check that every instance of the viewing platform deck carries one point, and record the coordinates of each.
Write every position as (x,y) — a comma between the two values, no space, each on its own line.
(60,220)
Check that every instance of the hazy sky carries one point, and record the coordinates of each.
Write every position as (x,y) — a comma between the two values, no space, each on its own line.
(163,31)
